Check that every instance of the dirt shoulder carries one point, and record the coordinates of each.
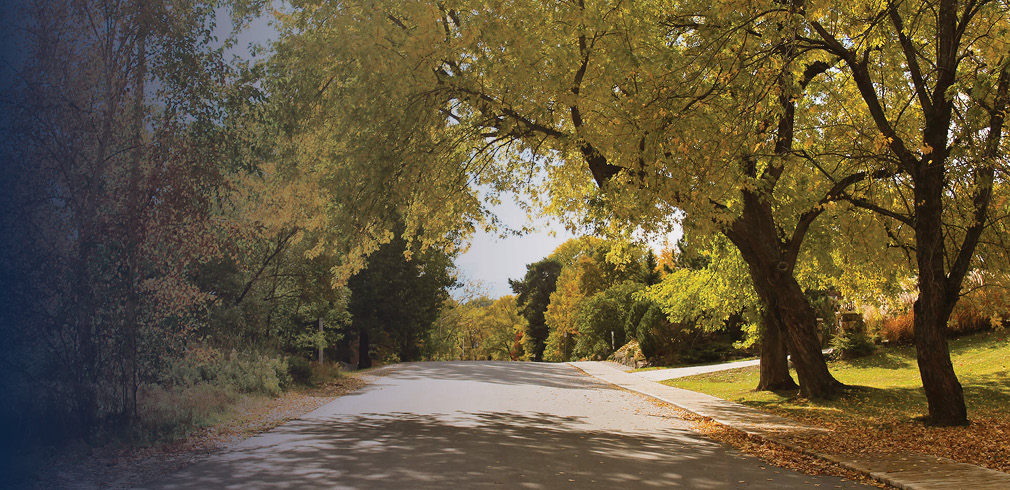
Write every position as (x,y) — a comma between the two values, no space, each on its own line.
(128,467)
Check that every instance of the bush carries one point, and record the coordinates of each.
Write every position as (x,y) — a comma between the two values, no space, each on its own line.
(243,373)
(852,344)
(964,319)
(324,373)
(709,351)
(655,337)
(898,329)
(300,370)
(967,318)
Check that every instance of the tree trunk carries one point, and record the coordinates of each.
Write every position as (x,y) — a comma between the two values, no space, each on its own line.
(774,355)
(804,346)
(944,394)
(364,361)
(321,357)
(754,233)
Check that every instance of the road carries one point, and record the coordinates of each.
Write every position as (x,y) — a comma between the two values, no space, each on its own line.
(469,425)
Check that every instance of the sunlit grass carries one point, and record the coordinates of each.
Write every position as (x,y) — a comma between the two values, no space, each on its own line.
(885,386)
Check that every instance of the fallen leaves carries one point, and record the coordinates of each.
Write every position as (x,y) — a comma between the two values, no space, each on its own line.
(986,442)
(770,452)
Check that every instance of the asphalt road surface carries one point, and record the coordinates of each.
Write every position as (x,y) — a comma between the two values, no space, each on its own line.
(463,425)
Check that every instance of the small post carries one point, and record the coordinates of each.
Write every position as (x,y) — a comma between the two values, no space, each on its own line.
(612,346)
(320,347)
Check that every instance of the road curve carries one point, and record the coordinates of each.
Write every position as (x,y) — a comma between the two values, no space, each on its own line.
(462,425)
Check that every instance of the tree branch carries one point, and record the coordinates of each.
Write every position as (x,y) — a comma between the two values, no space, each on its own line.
(864,83)
(984,177)
(911,59)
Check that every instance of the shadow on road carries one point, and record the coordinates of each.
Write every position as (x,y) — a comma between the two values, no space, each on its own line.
(497,372)
(500,450)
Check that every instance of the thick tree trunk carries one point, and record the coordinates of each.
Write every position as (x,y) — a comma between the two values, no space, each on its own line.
(754,233)
(944,394)
(774,355)
(783,295)
(937,296)
(804,346)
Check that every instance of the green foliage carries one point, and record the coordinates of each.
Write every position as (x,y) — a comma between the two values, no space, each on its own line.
(533,295)
(601,320)
(852,344)
(708,290)
(240,372)
(396,300)
(480,329)
(596,278)
(655,334)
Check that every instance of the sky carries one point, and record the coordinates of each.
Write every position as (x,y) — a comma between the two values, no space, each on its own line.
(491,261)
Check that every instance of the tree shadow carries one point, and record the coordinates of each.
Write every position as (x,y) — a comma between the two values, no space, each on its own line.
(495,372)
(889,360)
(475,450)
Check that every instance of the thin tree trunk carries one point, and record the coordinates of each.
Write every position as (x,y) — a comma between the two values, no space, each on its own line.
(134,234)
(364,361)
(321,358)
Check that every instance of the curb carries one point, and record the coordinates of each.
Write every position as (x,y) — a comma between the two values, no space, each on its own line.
(920,480)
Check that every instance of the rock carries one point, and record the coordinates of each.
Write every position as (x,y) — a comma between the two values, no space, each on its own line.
(630,355)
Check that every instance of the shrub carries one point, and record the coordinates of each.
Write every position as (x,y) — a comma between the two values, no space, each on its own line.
(897,329)
(709,351)
(852,344)
(968,318)
(243,373)
(300,370)
(170,413)
(324,373)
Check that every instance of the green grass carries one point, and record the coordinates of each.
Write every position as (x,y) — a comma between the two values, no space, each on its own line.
(886,385)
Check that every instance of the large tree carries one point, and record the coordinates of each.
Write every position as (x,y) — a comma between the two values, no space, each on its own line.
(590,94)
(106,212)
(933,81)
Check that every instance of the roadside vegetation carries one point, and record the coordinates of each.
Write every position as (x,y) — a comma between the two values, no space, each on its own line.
(183,226)
(880,411)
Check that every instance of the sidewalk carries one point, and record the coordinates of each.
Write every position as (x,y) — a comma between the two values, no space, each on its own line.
(908,471)
(670,373)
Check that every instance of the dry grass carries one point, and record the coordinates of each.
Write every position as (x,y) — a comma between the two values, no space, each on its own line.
(122,467)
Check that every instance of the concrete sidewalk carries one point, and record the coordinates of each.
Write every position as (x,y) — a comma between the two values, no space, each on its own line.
(671,373)
(910,471)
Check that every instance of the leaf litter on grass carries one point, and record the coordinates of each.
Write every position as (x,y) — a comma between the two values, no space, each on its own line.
(878,413)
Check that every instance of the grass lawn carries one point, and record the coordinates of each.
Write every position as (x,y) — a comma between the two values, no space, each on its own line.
(877,414)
